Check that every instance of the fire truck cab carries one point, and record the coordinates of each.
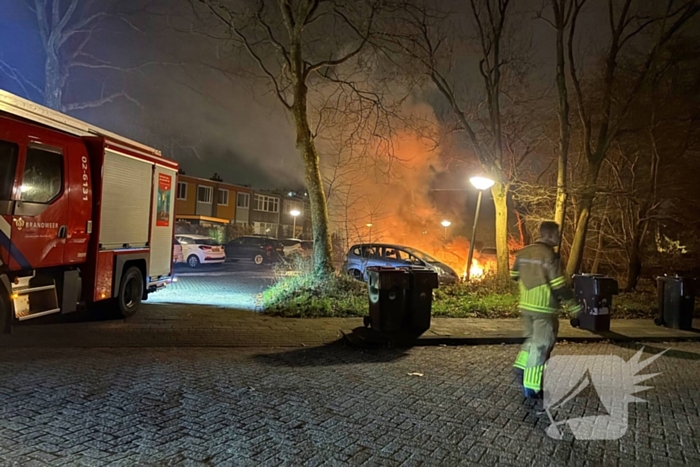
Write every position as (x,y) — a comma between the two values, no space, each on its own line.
(86,216)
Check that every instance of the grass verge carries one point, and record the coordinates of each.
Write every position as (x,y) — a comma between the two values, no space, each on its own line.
(301,296)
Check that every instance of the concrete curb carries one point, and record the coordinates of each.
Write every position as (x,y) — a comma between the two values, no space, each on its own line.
(359,340)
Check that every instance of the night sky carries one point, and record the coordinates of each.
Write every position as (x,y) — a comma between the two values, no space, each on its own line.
(209,123)
(179,102)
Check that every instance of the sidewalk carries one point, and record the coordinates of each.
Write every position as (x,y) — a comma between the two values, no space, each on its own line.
(201,326)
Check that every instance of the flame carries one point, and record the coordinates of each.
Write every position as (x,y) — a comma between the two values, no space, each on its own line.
(476,271)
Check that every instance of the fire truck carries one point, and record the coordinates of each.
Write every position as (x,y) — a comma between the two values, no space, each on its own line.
(86,216)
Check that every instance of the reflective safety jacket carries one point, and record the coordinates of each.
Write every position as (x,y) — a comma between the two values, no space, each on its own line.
(542,283)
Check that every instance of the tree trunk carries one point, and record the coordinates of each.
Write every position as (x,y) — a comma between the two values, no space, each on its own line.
(596,259)
(500,202)
(323,256)
(53,91)
(634,269)
(564,125)
(583,215)
(573,266)
(634,262)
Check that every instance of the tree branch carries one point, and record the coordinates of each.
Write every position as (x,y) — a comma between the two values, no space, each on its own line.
(339,61)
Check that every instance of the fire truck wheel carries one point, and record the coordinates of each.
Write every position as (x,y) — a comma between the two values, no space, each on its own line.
(4,316)
(259,259)
(130,292)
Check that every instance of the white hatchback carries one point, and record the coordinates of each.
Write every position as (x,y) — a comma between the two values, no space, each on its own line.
(198,249)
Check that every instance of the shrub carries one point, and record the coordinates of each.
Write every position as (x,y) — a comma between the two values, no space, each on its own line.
(296,293)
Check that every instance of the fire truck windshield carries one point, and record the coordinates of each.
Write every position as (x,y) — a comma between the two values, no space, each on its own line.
(8,166)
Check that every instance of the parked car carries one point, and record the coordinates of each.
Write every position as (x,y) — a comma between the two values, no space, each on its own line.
(307,247)
(362,256)
(260,250)
(291,246)
(198,249)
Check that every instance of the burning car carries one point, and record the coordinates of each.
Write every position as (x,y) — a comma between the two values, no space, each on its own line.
(362,256)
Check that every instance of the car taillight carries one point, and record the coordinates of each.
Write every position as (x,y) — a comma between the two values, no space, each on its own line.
(204,247)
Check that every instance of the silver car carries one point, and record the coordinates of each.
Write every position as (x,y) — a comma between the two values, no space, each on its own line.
(365,255)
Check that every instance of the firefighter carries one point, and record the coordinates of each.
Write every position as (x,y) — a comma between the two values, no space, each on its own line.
(543,288)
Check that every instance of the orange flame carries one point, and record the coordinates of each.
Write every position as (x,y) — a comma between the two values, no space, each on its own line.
(479,269)
(476,271)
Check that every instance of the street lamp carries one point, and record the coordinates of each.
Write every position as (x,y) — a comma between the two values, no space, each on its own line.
(481,184)
(446,224)
(369,226)
(295,213)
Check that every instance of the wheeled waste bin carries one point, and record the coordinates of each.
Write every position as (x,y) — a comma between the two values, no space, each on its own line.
(419,299)
(595,292)
(387,298)
(676,297)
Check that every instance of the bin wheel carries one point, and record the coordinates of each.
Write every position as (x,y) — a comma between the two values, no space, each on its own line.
(658,321)
(575,322)
(366,321)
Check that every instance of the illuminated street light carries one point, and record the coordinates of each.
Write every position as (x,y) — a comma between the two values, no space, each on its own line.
(446,224)
(294,213)
(369,226)
(481,184)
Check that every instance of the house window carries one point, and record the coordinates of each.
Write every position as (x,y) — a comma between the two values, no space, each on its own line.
(181,190)
(264,228)
(243,200)
(267,203)
(223,198)
(205,194)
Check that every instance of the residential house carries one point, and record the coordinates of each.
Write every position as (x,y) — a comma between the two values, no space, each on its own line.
(265,213)
(295,201)
(211,201)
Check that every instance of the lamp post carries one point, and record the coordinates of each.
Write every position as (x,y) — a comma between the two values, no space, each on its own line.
(481,184)
(446,224)
(369,226)
(294,213)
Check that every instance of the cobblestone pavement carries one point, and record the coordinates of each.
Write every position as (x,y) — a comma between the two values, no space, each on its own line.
(321,406)
(231,285)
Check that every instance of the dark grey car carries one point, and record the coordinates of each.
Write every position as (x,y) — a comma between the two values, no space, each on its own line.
(362,256)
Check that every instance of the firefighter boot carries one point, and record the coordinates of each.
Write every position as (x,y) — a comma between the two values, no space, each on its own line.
(519,366)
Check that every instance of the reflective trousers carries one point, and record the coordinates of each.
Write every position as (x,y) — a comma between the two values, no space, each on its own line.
(540,336)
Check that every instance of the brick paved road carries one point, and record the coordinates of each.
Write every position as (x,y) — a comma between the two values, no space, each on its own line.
(319,406)
(234,285)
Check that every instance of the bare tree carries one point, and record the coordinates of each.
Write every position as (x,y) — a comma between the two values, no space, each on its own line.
(654,143)
(66,28)
(301,47)
(425,36)
(601,119)
(562,13)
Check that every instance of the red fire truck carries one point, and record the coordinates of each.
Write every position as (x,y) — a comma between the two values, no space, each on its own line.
(86,216)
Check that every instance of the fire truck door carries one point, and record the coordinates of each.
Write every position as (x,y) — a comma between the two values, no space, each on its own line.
(39,224)
(9,153)
(80,206)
